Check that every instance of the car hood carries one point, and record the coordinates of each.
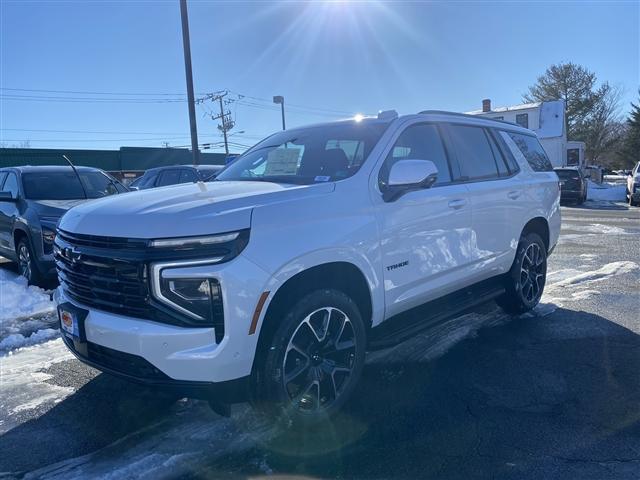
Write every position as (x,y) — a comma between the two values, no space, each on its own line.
(182,210)
(54,208)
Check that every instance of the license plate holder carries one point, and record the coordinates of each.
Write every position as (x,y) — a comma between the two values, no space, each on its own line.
(71,321)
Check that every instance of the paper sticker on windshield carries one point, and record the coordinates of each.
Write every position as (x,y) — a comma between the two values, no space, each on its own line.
(282,161)
(322,178)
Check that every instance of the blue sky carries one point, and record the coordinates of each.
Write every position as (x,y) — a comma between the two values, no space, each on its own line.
(329,60)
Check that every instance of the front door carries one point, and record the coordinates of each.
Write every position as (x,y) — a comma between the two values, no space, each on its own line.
(8,214)
(425,234)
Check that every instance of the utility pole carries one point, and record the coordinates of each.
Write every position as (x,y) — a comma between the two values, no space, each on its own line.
(224,130)
(187,67)
(279,99)
(227,122)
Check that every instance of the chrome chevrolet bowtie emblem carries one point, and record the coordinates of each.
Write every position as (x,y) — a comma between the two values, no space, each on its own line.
(71,254)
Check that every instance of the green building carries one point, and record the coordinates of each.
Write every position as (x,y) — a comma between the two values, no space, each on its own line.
(128,162)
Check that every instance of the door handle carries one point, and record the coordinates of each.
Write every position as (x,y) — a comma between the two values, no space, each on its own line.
(457,204)
(514,195)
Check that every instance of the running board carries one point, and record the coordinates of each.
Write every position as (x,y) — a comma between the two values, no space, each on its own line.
(406,325)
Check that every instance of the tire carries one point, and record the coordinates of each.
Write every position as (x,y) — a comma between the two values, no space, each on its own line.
(524,283)
(313,361)
(27,265)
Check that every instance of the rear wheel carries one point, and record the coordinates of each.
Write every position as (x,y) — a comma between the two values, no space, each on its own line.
(525,281)
(313,361)
(27,266)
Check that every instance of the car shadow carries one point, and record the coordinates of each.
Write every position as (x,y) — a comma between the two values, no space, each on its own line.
(102,411)
(534,398)
(599,205)
(537,397)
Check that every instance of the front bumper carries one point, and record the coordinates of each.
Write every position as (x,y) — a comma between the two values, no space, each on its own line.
(179,353)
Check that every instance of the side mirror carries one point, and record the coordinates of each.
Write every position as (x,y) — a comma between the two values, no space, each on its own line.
(7,197)
(408,175)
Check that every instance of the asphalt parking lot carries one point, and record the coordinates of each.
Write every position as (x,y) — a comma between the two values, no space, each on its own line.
(552,394)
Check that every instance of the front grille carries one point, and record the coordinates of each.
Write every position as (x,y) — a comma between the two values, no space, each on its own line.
(112,274)
(118,286)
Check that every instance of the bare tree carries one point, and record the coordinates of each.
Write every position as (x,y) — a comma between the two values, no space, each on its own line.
(602,129)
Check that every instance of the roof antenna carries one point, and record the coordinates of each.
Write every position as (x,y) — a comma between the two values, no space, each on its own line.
(77,174)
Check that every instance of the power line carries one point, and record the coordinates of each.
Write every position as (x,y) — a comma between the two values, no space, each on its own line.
(91,93)
(91,131)
(42,98)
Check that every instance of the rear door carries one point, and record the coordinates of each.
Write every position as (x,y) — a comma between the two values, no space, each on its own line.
(496,197)
(424,233)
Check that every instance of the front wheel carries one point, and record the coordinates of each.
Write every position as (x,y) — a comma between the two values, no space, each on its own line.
(314,360)
(27,266)
(525,281)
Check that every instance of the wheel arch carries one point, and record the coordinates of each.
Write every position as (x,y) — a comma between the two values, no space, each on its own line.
(538,225)
(340,275)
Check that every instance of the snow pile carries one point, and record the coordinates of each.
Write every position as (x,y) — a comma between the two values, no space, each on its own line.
(18,300)
(608,270)
(18,340)
(24,384)
(611,192)
(26,314)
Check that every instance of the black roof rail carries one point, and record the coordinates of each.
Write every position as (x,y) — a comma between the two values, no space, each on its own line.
(467,115)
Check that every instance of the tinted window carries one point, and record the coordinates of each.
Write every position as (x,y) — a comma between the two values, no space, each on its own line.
(500,161)
(573,156)
(522,119)
(65,185)
(2,176)
(148,180)
(169,177)
(187,176)
(568,174)
(11,185)
(419,142)
(532,151)
(474,152)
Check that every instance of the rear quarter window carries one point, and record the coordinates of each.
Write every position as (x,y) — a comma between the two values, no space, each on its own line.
(531,149)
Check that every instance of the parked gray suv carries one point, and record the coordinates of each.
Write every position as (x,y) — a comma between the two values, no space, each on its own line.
(32,200)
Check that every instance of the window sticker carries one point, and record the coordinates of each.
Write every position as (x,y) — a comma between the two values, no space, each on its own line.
(282,161)
(322,178)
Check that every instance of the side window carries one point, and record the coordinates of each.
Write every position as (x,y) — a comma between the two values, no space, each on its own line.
(530,147)
(418,142)
(573,157)
(169,177)
(11,184)
(522,119)
(187,176)
(149,180)
(2,177)
(474,152)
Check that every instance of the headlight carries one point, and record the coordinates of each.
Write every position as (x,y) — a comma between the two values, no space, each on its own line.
(196,297)
(191,242)
(48,235)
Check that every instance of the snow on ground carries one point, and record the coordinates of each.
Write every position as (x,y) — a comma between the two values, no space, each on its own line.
(611,192)
(24,384)
(26,314)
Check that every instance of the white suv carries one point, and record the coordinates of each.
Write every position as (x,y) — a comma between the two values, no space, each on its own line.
(318,244)
(633,186)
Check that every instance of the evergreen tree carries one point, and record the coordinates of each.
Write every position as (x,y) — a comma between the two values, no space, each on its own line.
(630,151)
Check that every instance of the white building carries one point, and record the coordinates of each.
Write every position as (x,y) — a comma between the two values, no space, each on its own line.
(548,121)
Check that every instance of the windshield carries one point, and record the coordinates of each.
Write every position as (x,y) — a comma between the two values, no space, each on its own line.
(65,185)
(309,155)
